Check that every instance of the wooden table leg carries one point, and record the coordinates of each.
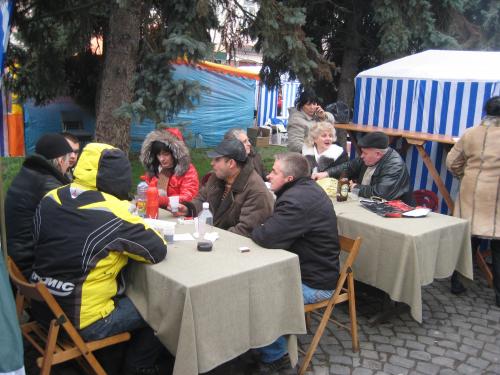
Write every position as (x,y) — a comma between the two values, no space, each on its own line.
(419,144)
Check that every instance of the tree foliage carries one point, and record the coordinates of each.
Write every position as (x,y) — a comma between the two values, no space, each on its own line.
(323,43)
(358,34)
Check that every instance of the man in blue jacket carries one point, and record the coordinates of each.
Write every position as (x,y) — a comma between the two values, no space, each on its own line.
(303,222)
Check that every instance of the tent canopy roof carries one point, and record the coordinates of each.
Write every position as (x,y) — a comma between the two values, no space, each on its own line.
(444,65)
(223,69)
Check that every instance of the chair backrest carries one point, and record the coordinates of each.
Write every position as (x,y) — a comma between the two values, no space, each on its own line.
(27,289)
(53,347)
(40,293)
(426,198)
(350,246)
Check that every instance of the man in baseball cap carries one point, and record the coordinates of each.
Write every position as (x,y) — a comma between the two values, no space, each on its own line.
(378,171)
(41,172)
(238,198)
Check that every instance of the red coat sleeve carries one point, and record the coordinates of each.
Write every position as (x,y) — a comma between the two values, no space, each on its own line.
(185,186)
(190,185)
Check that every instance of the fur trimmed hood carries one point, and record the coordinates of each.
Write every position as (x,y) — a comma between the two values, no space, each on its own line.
(180,152)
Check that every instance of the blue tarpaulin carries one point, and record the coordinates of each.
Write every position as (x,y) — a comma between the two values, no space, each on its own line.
(228,103)
(39,120)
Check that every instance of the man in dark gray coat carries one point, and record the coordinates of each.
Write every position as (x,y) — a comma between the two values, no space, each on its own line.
(304,223)
(379,171)
(41,172)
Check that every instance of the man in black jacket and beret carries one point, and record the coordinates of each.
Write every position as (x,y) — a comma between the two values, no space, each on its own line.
(379,171)
(41,172)
(304,223)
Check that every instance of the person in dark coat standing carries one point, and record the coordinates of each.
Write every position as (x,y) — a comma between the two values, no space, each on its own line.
(379,171)
(304,223)
(41,172)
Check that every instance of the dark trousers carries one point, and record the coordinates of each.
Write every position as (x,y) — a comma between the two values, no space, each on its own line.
(143,350)
(495,257)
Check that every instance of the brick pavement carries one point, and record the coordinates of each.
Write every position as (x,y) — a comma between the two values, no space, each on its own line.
(459,335)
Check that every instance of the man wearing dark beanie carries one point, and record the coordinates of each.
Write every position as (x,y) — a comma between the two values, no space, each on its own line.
(41,172)
(378,171)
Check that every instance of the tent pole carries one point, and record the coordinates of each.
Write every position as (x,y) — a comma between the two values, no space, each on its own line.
(257,112)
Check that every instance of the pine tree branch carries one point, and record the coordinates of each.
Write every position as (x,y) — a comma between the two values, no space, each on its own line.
(73,9)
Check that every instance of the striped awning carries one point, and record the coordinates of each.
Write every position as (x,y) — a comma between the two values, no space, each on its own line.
(437,92)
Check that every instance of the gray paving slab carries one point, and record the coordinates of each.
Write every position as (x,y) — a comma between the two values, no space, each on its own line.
(459,335)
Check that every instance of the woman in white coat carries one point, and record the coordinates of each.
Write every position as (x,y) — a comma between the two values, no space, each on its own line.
(321,151)
(475,160)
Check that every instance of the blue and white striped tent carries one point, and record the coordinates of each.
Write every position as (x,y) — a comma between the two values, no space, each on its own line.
(436,91)
(267,100)
(289,91)
(267,103)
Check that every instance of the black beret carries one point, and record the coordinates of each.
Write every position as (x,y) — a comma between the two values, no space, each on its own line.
(374,140)
(52,146)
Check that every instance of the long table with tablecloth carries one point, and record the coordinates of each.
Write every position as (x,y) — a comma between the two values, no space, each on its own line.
(209,307)
(400,255)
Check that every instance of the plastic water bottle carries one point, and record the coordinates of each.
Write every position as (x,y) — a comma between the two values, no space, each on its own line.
(140,199)
(152,201)
(205,218)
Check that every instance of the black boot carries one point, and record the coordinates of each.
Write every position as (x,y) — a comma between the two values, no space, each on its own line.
(495,257)
(456,285)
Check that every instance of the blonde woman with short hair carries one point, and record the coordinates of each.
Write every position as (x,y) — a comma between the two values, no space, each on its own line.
(321,151)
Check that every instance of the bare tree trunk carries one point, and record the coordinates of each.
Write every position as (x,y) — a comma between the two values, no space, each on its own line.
(121,48)
(350,61)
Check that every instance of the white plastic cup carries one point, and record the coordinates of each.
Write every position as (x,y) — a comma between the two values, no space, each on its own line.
(174,203)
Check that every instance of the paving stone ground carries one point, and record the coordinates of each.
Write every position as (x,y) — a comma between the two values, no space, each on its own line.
(459,335)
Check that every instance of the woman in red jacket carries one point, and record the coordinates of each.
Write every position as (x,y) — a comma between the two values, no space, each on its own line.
(166,159)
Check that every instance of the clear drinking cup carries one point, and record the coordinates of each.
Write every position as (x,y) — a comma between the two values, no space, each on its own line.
(354,193)
(168,233)
(174,203)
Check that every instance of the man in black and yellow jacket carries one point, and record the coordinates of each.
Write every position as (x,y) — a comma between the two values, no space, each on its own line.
(84,235)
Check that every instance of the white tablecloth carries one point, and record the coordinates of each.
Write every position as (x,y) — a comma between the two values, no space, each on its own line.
(209,307)
(399,256)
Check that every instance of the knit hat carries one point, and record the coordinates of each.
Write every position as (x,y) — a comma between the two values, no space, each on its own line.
(232,148)
(374,140)
(52,146)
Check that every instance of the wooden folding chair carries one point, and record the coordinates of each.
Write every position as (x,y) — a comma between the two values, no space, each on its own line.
(481,256)
(55,348)
(344,291)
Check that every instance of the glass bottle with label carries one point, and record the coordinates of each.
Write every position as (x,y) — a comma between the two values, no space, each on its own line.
(343,187)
